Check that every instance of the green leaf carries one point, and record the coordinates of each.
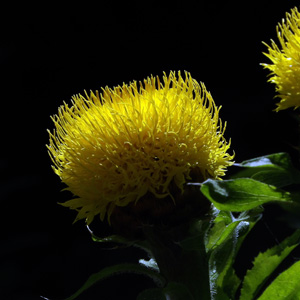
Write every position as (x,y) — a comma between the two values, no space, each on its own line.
(221,220)
(110,239)
(118,269)
(221,295)
(174,291)
(223,250)
(231,283)
(152,294)
(177,291)
(222,216)
(119,240)
(241,194)
(275,169)
(219,233)
(265,264)
(222,257)
(286,286)
(196,235)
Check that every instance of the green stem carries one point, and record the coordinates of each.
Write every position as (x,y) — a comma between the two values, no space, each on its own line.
(187,266)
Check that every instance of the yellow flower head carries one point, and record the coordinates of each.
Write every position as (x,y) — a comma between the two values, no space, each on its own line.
(285,70)
(112,148)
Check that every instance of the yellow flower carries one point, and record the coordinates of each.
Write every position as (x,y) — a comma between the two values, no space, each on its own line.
(113,148)
(285,70)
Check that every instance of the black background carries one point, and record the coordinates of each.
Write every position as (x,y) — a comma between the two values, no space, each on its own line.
(50,53)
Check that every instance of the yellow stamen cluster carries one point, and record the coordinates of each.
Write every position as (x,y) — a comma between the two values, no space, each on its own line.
(112,148)
(285,70)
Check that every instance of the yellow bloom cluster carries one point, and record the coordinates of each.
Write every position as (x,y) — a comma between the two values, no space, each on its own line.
(285,70)
(112,148)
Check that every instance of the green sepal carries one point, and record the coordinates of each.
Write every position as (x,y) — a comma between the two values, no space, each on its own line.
(242,194)
(275,169)
(118,240)
(265,264)
(285,286)
(110,239)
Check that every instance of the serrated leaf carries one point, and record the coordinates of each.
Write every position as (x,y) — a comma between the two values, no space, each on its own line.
(241,194)
(286,286)
(265,264)
(118,269)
